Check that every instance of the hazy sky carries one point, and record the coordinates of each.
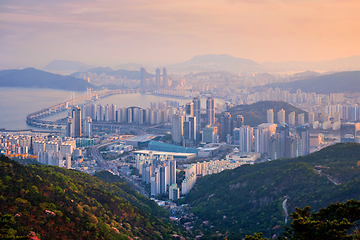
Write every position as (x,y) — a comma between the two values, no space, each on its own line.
(110,32)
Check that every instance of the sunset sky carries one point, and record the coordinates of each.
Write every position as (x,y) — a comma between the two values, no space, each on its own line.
(111,32)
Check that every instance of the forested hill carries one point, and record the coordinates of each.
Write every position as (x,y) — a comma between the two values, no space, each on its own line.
(255,114)
(56,203)
(347,82)
(249,198)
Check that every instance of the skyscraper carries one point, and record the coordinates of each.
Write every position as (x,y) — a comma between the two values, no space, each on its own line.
(281,116)
(226,125)
(87,127)
(197,107)
(292,119)
(270,116)
(246,139)
(210,111)
(165,78)
(158,78)
(69,127)
(190,128)
(172,172)
(301,119)
(240,121)
(303,132)
(142,78)
(76,115)
(177,128)
(189,109)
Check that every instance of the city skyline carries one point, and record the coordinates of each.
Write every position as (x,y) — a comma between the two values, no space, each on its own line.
(166,32)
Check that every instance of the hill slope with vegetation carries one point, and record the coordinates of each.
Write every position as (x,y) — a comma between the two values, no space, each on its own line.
(255,114)
(347,82)
(250,198)
(57,203)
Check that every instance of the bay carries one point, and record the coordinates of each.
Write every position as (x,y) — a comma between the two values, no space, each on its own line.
(17,103)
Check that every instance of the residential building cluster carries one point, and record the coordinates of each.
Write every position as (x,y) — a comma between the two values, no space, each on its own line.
(47,150)
(233,160)
(158,171)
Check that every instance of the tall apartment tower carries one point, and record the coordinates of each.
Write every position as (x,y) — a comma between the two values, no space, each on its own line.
(246,139)
(172,172)
(226,125)
(189,109)
(158,85)
(270,116)
(210,111)
(76,115)
(281,116)
(303,132)
(301,119)
(165,78)
(69,127)
(142,78)
(87,127)
(177,128)
(240,121)
(197,106)
(292,119)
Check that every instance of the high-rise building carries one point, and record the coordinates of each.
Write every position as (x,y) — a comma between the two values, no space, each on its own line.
(158,85)
(163,178)
(129,115)
(311,117)
(226,124)
(246,139)
(301,119)
(172,172)
(197,107)
(88,127)
(69,127)
(292,119)
(270,116)
(190,128)
(142,78)
(93,111)
(165,78)
(189,109)
(304,133)
(177,128)
(209,134)
(281,116)
(262,135)
(240,121)
(210,111)
(284,132)
(76,115)
(294,146)
(274,151)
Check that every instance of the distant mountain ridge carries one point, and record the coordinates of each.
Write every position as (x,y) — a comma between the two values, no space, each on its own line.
(213,62)
(347,82)
(222,62)
(66,65)
(33,78)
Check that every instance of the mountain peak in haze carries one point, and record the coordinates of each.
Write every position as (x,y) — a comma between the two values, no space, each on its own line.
(213,62)
(221,58)
(66,65)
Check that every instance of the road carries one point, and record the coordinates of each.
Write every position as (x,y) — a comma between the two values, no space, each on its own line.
(95,154)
